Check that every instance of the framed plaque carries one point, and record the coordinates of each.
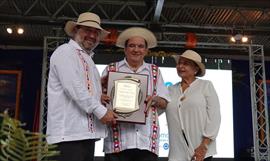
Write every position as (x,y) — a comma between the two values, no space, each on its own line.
(128,92)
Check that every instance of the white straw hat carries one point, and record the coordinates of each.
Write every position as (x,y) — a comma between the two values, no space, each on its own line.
(136,31)
(193,56)
(86,19)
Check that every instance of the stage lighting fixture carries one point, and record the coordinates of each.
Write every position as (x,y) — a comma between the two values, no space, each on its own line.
(9,30)
(239,38)
(20,30)
(244,39)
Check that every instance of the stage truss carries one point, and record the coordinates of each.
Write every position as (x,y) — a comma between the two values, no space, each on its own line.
(257,88)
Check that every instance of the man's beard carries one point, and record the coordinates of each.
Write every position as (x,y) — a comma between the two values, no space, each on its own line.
(80,40)
(88,50)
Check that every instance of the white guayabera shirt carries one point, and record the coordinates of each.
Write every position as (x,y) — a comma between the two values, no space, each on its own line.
(73,110)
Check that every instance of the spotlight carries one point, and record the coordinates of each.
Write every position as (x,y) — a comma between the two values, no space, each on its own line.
(238,38)
(244,39)
(9,30)
(20,30)
(14,28)
(232,39)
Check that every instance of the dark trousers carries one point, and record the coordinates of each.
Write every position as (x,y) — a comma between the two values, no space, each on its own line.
(208,159)
(82,150)
(132,155)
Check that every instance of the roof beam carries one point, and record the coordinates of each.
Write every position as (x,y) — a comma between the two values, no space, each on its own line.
(158,10)
(1,3)
(31,7)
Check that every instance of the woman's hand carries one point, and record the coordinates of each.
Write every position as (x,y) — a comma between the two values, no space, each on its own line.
(201,150)
(199,153)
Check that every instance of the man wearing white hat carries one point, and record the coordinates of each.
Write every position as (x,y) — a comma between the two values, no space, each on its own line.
(136,142)
(76,116)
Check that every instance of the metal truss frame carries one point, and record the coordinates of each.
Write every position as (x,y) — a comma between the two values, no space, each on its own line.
(257,88)
(50,44)
(47,13)
(259,103)
(129,13)
(167,19)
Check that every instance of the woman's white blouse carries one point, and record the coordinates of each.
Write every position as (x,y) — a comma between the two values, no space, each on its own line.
(196,111)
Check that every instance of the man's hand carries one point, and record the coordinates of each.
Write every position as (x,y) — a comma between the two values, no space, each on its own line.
(109,118)
(105,99)
(104,82)
(155,101)
(159,102)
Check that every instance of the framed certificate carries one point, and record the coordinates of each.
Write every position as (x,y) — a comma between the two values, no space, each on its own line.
(128,92)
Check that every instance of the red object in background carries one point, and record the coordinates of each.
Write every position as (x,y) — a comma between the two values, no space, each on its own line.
(191,40)
(111,38)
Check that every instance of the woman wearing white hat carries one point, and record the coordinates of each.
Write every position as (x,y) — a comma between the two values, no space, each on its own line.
(75,114)
(193,115)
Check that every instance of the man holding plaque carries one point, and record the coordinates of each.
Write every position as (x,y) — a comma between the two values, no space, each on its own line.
(76,116)
(132,141)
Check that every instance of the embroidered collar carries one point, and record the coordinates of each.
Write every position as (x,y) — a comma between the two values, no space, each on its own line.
(125,63)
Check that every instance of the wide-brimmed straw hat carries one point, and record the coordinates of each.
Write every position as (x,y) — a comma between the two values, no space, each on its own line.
(193,56)
(86,19)
(134,32)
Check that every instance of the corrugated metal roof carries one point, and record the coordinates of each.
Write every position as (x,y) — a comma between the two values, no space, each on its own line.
(211,21)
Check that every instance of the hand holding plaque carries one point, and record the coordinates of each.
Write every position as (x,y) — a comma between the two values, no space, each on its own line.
(126,95)
(127,92)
